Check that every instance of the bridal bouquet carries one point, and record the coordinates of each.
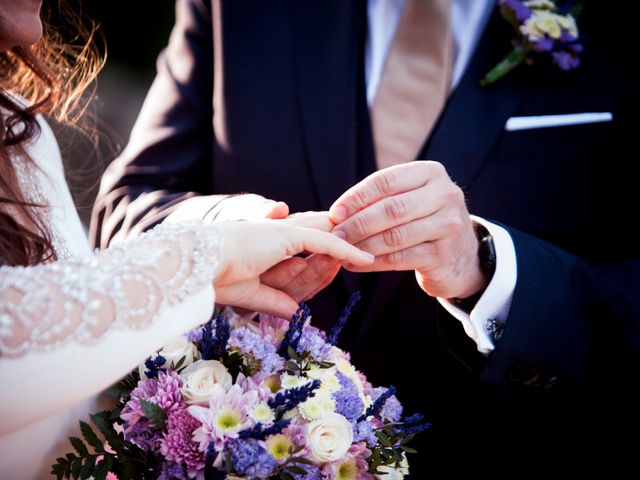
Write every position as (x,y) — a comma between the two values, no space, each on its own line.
(241,399)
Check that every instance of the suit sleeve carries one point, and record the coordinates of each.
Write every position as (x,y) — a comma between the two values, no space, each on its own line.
(571,325)
(168,158)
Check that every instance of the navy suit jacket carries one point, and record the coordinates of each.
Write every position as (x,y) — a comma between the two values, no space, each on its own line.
(290,123)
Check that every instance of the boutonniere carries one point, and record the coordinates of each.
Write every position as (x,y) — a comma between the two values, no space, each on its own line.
(544,33)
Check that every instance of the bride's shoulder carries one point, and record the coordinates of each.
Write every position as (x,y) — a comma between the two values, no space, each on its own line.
(43,149)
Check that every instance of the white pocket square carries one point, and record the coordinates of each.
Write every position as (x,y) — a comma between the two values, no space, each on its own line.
(544,121)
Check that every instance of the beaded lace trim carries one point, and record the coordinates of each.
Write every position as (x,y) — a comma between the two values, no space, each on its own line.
(80,299)
(31,188)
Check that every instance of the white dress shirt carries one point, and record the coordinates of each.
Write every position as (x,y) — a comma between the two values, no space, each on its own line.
(468,18)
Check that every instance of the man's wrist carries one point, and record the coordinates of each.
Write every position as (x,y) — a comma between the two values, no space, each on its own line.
(486,264)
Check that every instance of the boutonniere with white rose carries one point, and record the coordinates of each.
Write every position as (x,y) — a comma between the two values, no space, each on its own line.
(544,32)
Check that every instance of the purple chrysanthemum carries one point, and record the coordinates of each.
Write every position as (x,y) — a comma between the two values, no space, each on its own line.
(164,391)
(168,394)
(348,402)
(251,343)
(311,341)
(177,443)
(250,458)
(363,432)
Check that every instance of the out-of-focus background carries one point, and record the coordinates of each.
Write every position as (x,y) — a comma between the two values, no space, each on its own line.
(135,32)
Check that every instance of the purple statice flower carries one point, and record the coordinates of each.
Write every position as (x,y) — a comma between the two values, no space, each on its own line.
(348,402)
(565,60)
(253,344)
(177,444)
(143,435)
(311,341)
(363,432)
(515,8)
(195,335)
(312,472)
(250,458)
(391,409)
(543,44)
(172,471)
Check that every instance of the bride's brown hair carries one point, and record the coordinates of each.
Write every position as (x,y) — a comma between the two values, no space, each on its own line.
(54,77)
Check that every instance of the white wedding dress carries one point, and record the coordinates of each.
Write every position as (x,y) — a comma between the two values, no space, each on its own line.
(69,329)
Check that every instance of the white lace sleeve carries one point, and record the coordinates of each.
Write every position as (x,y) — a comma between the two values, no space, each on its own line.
(113,309)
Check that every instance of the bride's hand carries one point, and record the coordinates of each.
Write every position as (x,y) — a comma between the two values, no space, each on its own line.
(250,248)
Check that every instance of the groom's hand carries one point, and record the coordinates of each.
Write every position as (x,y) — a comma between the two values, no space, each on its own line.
(413,217)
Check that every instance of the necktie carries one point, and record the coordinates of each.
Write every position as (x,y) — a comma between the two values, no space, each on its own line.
(415,81)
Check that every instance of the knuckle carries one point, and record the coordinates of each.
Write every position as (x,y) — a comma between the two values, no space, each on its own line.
(386,183)
(454,225)
(396,209)
(455,194)
(360,225)
(394,237)
(395,258)
(435,169)
(358,198)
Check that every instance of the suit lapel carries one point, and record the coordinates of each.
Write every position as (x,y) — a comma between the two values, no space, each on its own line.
(473,119)
(327,75)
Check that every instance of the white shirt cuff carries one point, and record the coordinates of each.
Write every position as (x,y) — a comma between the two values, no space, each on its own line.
(495,302)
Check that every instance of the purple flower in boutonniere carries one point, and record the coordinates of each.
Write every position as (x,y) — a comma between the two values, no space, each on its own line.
(543,31)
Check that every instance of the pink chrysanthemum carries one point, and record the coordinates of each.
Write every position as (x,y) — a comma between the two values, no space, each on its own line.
(227,415)
(353,466)
(177,444)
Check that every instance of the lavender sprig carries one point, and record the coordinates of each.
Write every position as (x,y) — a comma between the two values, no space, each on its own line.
(214,340)
(291,398)
(292,336)
(259,432)
(376,406)
(332,338)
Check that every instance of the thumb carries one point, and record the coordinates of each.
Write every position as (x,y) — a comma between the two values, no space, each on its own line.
(275,210)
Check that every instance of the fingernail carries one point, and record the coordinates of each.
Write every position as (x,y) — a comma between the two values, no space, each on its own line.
(368,256)
(339,214)
(340,234)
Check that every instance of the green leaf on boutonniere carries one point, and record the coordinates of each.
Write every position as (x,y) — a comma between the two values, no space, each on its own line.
(512,60)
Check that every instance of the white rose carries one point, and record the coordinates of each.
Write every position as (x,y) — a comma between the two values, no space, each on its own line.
(172,352)
(200,378)
(177,348)
(392,473)
(329,438)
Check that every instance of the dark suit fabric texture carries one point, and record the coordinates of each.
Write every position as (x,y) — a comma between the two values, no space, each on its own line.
(291,124)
